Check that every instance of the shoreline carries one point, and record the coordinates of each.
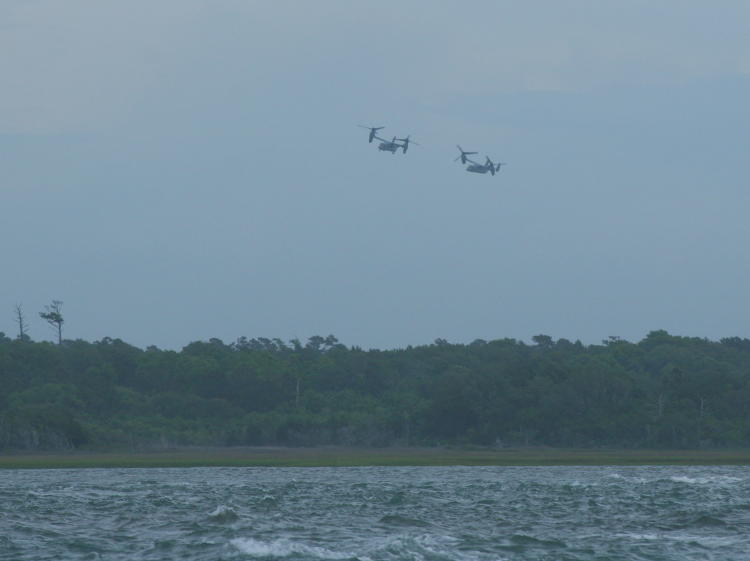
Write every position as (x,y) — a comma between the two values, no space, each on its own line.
(361,457)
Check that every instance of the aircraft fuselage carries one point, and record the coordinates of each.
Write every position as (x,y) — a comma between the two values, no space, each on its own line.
(389,147)
(476,168)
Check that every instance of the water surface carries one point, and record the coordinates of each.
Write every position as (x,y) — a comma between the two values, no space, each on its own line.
(377,513)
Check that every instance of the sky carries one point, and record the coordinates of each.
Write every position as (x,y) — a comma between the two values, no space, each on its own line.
(177,170)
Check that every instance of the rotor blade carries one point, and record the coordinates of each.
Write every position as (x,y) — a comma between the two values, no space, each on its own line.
(408,141)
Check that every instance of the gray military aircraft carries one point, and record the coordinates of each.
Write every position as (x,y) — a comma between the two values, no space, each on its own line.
(392,145)
(476,167)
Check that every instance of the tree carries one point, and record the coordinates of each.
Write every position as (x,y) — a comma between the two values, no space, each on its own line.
(21,321)
(543,341)
(52,314)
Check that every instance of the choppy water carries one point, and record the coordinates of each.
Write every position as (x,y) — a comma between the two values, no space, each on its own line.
(374,514)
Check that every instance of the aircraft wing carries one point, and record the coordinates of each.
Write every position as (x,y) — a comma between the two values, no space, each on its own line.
(381,139)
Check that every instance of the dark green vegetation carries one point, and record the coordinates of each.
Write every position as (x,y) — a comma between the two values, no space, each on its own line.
(663,392)
(340,456)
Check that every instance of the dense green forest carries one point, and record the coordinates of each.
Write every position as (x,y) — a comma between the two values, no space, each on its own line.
(664,391)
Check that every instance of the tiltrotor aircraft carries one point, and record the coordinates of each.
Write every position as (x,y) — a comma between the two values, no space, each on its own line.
(476,167)
(385,145)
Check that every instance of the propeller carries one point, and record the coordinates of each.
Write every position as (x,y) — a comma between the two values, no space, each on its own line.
(463,155)
(493,166)
(372,130)
(406,142)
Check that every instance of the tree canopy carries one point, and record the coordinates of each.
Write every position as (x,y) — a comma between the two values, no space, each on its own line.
(664,391)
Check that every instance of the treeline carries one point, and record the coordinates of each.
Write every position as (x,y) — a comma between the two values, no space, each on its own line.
(664,391)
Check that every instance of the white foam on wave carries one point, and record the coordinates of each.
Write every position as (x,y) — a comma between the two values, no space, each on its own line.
(705,480)
(223,514)
(628,478)
(706,541)
(285,548)
(221,510)
(637,536)
(418,547)
(422,547)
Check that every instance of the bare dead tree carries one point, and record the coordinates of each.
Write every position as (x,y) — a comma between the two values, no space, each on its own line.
(23,329)
(52,314)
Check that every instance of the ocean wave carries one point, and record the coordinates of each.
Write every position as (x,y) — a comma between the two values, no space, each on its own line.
(628,478)
(707,541)
(422,547)
(640,536)
(268,501)
(525,539)
(414,547)
(223,514)
(286,548)
(475,514)
(396,520)
(703,541)
(708,521)
(721,479)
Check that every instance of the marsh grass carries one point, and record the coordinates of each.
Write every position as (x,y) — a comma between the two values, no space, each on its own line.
(326,457)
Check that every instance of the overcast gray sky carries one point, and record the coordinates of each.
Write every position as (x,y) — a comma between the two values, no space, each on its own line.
(178,170)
